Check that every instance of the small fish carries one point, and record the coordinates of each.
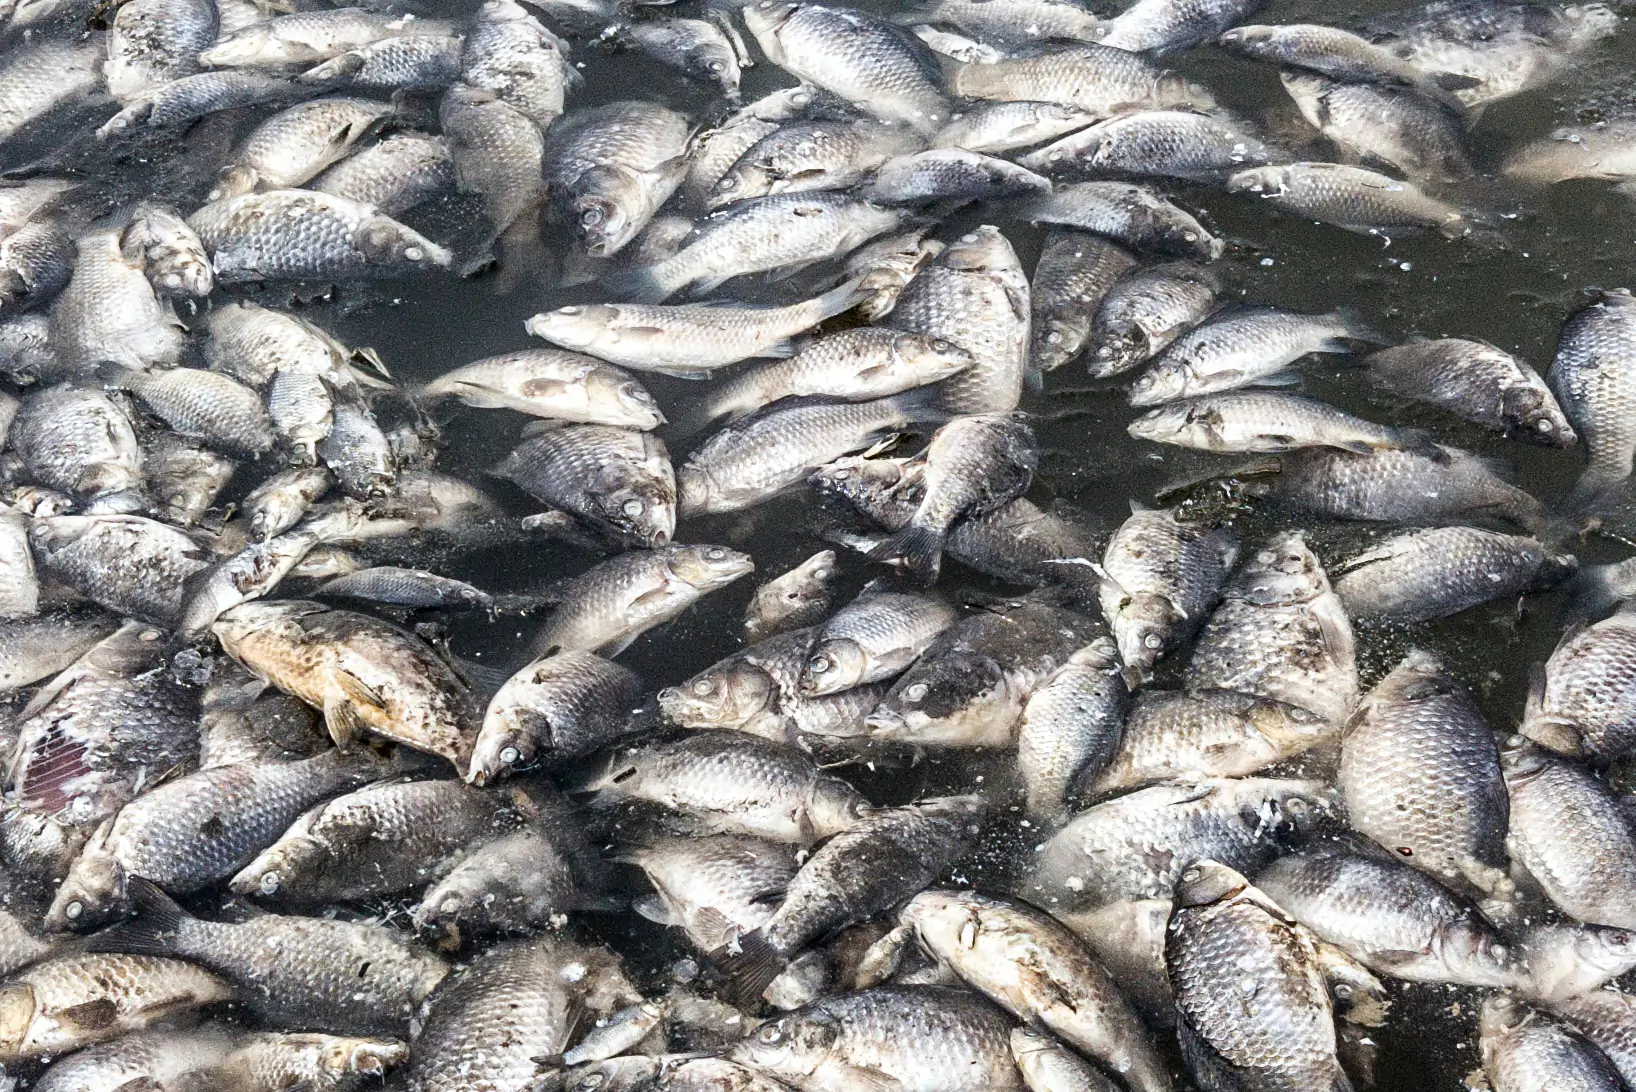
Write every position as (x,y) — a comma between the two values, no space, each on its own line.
(731,782)
(712,887)
(873,864)
(1163,143)
(279,502)
(1576,705)
(362,673)
(695,47)
(1280,633)
(608,607)
(1422,137)
(609,168)
(1241,346)
(1584,867)
(138,567)
(951,174)
(858,365)
(1353,198)
(294,145)
(561,706)
(1074,274)
(412,62)
(1254,420)
(199,403)
(297,234)
(1160,577)
(689,340)
(351,977)
(511,53)
(1524,1048)
(1012,23)
(1601,151)
(108,311)
(1132,215)
(496,151)
(873,64)
(1421,575)
(1145,311)
(1096,78)
(552,384)
(170,253)
(1592,380)
(304,39)
(995,127)
(394,585)
(1070,728)
(1224,930)
(76,1000)
(1475,381)
(616,481)
(873,638)
(393,175)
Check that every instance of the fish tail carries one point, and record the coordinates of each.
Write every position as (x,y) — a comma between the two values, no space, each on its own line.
(1355,327)
(842,298)
(156,932)
(640,285)
(750,967)
(919,548)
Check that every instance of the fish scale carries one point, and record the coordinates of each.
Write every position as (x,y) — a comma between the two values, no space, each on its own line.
(1579,706)
(1572,836)
(298,234)
(1420,774)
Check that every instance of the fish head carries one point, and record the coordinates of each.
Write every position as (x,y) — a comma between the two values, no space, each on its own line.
(234,180)
(602,217)
(575,326)
(1290,725)
(1262,181)
(1143,627)
(345,1056)
(927,359)
(722,697)
(1285,572)
(453,901)
(1176,423)
(1174,89)
(510,737)
(957,697)
(1118,351)
(834,665)
(708,567)
(743,180)
(766,18)
(384,241)
(791,1047)
(624,397)
(1532,414)
(859,480)
(18,1007)
(635,507)
(1250,40)
(502,11)
(1165,381)
(1206,882)
(1474,952)
(833,806)
(1501,1015)
(946,922)
(268,876)
(1057,341)
(93,892)
(1290,810)
(984,250)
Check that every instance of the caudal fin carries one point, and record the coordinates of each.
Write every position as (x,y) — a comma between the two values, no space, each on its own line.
(750,966)
(918,548)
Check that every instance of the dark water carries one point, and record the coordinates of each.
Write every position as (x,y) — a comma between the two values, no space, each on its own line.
(1511,285)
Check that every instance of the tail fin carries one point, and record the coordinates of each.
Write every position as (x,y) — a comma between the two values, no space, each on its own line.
(1597,589)
(155,932)
(841,298)
(919,548)
(1357,328)
(1595,492)
(111,373)
(640,285)
(751,968)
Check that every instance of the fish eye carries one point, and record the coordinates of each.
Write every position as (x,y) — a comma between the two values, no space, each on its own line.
(703,687)
(716,66)
(818,665)
(1054,337)
(632,507)
(1343,991)
(590,1082)
(1191,875)
(510,755)
(916,692)
(715,553)
(842,475)
(1190,236)
(1500,951)
(1297,807)
(1544,425)
(1153,641)
(74,910)
(728,182)
(414,253)
(770,1034)
(570,310)
(269,882)
(591,218)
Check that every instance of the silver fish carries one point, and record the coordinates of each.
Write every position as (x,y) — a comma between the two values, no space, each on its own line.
(1475,381)
(1160,576)
(1421,575)
(299,234)
(1524,1048)
(1576,705)
(294,145)
(1097,78)
(1353,198)
(797,598)
(393,175)
(511,53)
(1074,274)
(617,481)
(1255,420)
(995,127)
(561,706)
(108,311)
(873,638)
(1070,728)
(1399,126)
(1592,379)
(1133,215)
(1164,143)
(1583,867)
(608,169)
(608,607)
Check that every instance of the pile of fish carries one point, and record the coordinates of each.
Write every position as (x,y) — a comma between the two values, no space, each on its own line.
(990,794)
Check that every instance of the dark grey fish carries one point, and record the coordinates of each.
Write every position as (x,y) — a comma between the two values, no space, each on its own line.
(559,707)
(1399,126)
(1094,77)
(497,153)
(1073,277)
(1136,216)
(618,481)
(951,174)
(695,47)
(396,174)
(1392,917)
(1577,704)
(1477,382)
(608,169)
(1070,727)
(1163,143)
(351,977)
(297,234)
(1147,310)
(189,98)
(1160,577)
(1421,575)
(874,864)
(400,587)
(135,566)
(410,62)
(511,53)
(1586,865)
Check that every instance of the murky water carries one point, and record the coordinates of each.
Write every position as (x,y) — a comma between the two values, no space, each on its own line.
(1511,285)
